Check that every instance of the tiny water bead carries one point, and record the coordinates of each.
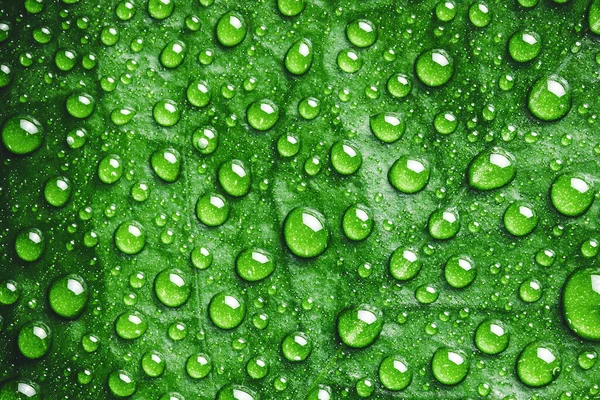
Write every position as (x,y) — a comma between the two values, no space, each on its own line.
(110,169)
(80,105)
(172,287)
(360,326)
(212,209)
(427,294)
(140,191)
(257,367)
(65,59)
(387,127)
(234,177)
(581,302)
(30,244)
(309,108)
(399,85)
(394,373)
(492,337)
(288,145)
(530,290)
(236,392)
(22,134)
(444,223)
(262,114)
(131,325)
(122,116)
(299,57)
(296,346)
(205,140)
(9,292)
(90,343)
(125,10)
(361,33)
(227,310)
(364,388)
(35,339)
(404,264)
(198,366)
(305,232)
(345,158)
(173,54)
(491,169)
(254,264)
(130,237)
(121,383)
(167,164)
(153,363)
(480,14)
(445,10)
(450,366)
(409,175)
(161,9)
(587,359)
(571,194)
(198,93)
(201,257)
(349,61)
(68,296)
(460,271)
(434,67)
(549,98)
(231,29)
(445,123)
(524,46)
(166,113)
(520,218)
(357,223)
(538,364)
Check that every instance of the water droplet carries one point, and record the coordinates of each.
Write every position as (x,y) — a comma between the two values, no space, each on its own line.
(361,33)
(581,302)
(35,339)
(299,57)
(166,163)
(538,364)
(166,113)
(172,54)
(68,296)
(492,169)
(30,244)
(131,325)
(153,363)
(205,140)
(520,218)
(345,158)
(450,366)
(434,67)
(524,45)
(254,264)
(550,98)
(226,310)
(172,287)
(394,373)
(198,93)
(296,346)
(492,337)
(121,383)
(22,134)
(130,237)
(409,175)
(444,223)
(404,264)
(198,366)
(234,178)
(306,233)
(262,114)
(460,271)
(212,209)
(571,195)
(387,127)
(360,326)
(161,9)
(231,29)
(357,223)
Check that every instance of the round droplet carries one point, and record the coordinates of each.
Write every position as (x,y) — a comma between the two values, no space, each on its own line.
(345,158)
(480,14)
(288,145)
(22,134)
(212,209)
(538,364)
(226,310)
(166,113)
(130,237)
(321,392)
(161,9)
(296,346)
(450,366)
(65,59)
(444,223)
(198,93)
(357,223)
(309,108)
(404,264)
(257,367)
(305,232)
(550,98)
(445,123)
(19,390)
(9,292)
(399,85)
(530,290)
(571,195)
(121,384)
(434,67)
(153,364)
(35,339)
(299,57)
(80,105)
(581,302)
(594,17)
(110,169)
(427,294)
(6,75)
(262,114)
(587,359)
(254,264)
(198,366)
(492,169)
(68,296)
(445,10)
(231,29)
(361,33)
(30,244)
(172,287)
(205,140)
(409,175)
(520,218)
(291,8)
(387,127)
(234,178)
(524,46)
(349,61)
(460,271)
(360,326)
(166,163)
(131,325)
(492,337)
(201,257)
(172,54)
(394,373)
(236,392)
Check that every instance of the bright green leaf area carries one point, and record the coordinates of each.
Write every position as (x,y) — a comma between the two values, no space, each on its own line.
(152,151)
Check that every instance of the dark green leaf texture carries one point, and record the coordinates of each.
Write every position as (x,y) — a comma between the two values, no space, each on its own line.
(521,79)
